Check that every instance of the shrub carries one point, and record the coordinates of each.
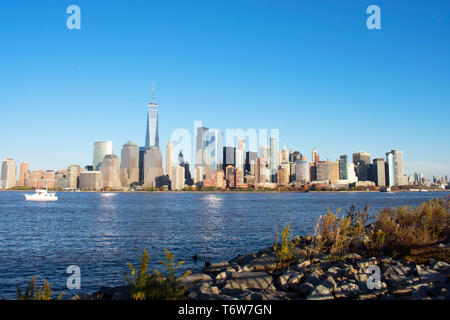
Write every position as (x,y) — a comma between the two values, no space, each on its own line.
(43,293)
(284,251)
(153,285)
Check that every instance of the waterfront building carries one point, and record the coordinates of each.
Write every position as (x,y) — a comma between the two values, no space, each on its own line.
(152,132)
(334,171)
(91,180)
(239,178)
(169,158)
(199,175)
(142,151)
(394,169)
(361,156)
(153,169)
(313,172)
(283,176)
(343,161)
(351,173)
(62,179)
(129,163)
(110,169)
(8,175)
(178,178)
(101,149)
(23,173)
(47,180)
(379,168)
(274,161)
(301,171)
(219,179)
(323,171)
(239,159)
(73,174)
(214,148)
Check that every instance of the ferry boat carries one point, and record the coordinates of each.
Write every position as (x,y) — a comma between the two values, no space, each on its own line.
(41,195)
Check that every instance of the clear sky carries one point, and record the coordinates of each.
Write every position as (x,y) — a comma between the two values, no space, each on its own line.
(309,68)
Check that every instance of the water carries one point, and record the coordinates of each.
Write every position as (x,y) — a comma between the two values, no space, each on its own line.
(102,232)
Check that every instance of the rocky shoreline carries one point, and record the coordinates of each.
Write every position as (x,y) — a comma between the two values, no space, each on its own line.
(256,277)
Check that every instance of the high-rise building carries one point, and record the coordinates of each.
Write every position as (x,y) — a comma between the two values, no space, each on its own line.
(250,162)
(361,160)
(152,133)
(239,159)
(228,156)
(334,171)
(153,170)
(23,173)
(283,176)
(101,149)
(130,162)
(169,158)
(301,171)
(361,156)
(343,160)
(379,169)
(394,169)
(264,153)
(315,156)
(214,148)
(178,178)
(274,161)
(323,171)
(110,169)
(294,156)
(142,151)
(73,174)
(284,155)
(8,177)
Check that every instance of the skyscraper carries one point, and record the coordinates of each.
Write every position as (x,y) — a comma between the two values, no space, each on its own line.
(228,156)
(130,161)
(23,173)
(214,147)
(274,163)
(8,174)
(200,147)
(101,149)
(379,169)
(394,172)
(169,157)
(343,160)
(301,171)
(178,176)
(152,133)
(110,169)
(153,169)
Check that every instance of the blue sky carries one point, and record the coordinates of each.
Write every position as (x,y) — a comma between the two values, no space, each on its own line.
(309,68)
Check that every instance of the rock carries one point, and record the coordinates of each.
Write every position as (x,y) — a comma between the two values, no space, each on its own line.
(362,265)
(334,271)
(273,295)
(353,256)
(440,266)
(320,293)
(242,260)
(195,279)
(263,263)
(347,290)
(302,264)
(315,277)
(249,280)
(367,296)
(222,276)
(330,283)
(429,275)
(289,280)
(305,288)
(112,293)
(396,275)
(217,267)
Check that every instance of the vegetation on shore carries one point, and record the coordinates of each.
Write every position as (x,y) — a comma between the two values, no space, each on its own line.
(32,293)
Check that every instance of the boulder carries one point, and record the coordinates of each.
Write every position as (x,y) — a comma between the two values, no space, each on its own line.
(217,267)
(195,279)
(262,263)
(320,293)
(330,283)
(248,280)
(347,290)
(430,275)
(289,280)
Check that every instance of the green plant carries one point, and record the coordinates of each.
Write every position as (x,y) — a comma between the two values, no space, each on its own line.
(284,251)
(153,285)
(43,293)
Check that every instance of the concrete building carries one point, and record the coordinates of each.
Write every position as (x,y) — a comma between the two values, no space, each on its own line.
(343,161)
(301,171)
(110,169)
(73,173)
(323,171)
(334,171)
(129,163)
(264,153)
(169,158)
(283,177)
(142,151)
(23,174)
(199,175)
(250,162)
(8,175)
(177,182)
(394,169)
(219,179)
(239,159)
(228,157)
(153,170)
(379,169)
(91,180)
(62,179)
(361,157)
(315,156)
(101,149)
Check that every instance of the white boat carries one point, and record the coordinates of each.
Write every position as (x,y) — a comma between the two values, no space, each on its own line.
(41,195)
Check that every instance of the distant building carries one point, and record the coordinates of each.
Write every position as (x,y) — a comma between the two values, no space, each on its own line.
(323,171)
(394,169)
(91,180)
(8,175)
(130,163)
(142,151)
(361,157)
(153,167)
(301,171)
(110,169)
(379,170)
(315,156)
(24,174)
(264,153)
(334,171)
(73,174)
(169,158)
(250,162)
(199,175)
(152,132)
(177,182)
(283,177)
(228,156)
(274,160)
(101,149)
(343,160)
(239,159)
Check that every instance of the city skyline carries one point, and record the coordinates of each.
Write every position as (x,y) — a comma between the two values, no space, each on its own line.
(325,81)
